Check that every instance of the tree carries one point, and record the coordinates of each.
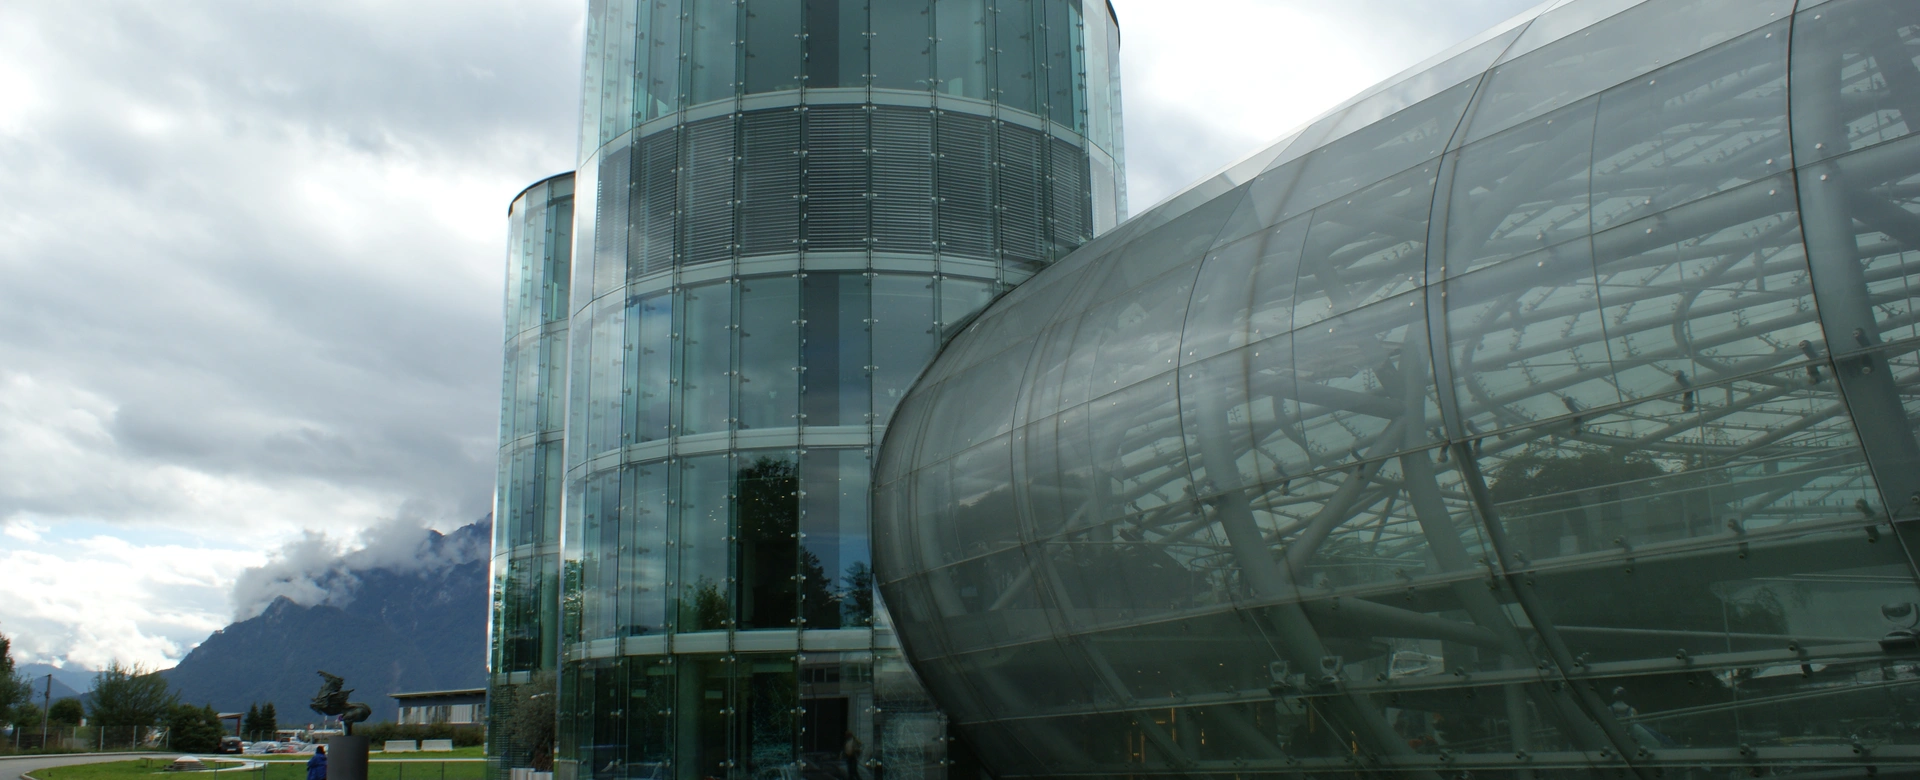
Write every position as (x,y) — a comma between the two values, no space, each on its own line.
(193,729)
(130,695)
(13,688)
(250,725)
(25,715)
(67,711)
(269,722)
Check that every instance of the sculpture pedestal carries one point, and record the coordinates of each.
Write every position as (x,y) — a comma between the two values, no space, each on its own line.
(347,758)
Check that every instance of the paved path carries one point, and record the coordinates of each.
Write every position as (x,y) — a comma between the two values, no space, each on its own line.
(12,768)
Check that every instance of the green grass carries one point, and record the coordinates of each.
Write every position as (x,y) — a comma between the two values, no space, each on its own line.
(150,769)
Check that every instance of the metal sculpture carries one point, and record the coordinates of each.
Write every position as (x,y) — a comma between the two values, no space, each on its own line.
(332,700)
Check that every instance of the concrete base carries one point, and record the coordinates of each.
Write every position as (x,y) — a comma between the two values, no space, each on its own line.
(347,758)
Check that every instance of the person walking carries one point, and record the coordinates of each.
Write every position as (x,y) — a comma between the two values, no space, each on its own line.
(851,752)
(317,766)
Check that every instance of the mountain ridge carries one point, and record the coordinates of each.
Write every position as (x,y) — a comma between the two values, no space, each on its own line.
(396,630)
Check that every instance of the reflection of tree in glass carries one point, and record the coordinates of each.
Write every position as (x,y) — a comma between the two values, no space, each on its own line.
(707,610)
(769,502)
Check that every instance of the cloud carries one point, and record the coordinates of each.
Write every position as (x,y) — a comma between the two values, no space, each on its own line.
(96,598)
(1207,84)
(318,569)
(254,257)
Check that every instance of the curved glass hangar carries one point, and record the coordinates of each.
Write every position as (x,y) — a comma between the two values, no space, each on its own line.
(781,208)
(1548,408)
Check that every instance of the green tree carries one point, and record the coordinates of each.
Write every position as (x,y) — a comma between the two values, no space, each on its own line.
(67,711)
(13,688)
(193,729)
(269,722)
(250,724)
(130,695)
(25,715)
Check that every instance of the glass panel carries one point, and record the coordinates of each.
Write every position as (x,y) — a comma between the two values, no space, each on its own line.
(1620,48)
(770,704)
(1137,335)
(1856,76)
(960,299)
(663,70)
(836,43)
(1364,382)
(1016,56)
(715,30)
(650,367)
(1245,291)
(1705,125)
(901,45)
(704,718)
(834,350)
(1059,59)
(775,59)
(1521,191)
(1136,454)
(646,516)
(707,358)
(1366,248)
(649,738)
(769,352)
(1527,340)
(833,530)
(769,556)
(903,337)
(705,596)
(1707,291)
(960,29)
(1239,414)
(1860,222)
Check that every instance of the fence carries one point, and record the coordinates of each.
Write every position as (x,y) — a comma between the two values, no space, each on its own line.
(62,737)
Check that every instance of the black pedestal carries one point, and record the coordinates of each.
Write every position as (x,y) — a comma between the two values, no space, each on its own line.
(347,758)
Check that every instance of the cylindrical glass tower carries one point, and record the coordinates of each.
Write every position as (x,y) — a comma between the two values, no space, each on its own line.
(524,633)
(784,206)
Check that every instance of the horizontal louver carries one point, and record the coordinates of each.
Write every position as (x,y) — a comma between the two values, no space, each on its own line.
(902,190)
(1070,209)
(655,185)
(770,183)
(836,165)
(963,183)
(708,216)
(1021,189)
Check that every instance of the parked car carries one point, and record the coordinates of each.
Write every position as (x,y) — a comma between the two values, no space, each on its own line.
(263,746)
(231,745)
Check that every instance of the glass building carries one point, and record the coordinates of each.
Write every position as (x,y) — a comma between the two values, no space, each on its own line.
(780,210)
(1549,409)
(524,633)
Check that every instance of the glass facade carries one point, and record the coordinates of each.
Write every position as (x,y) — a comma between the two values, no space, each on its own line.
(783,208)
(1546,410)
(524,630)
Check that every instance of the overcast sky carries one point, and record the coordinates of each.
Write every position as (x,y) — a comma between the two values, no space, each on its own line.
(251,262)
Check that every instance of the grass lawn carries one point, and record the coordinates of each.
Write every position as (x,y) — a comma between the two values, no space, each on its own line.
(150,769)
(476,751)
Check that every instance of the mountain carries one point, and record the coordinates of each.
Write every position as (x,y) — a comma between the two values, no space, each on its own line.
(398,628)
(69,682)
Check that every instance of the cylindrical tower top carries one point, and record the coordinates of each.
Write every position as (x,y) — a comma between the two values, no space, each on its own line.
(1048,58)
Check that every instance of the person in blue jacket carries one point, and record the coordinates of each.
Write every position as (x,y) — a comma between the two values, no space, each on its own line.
(317,766)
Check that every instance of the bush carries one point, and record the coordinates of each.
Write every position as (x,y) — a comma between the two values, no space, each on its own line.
(463,735)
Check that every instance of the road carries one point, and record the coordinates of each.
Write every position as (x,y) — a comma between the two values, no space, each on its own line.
(13,768)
